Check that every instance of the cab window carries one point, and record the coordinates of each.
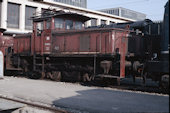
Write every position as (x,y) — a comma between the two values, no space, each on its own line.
(40,26)
(69,24)
(78,25)
(48,24)
(59,23)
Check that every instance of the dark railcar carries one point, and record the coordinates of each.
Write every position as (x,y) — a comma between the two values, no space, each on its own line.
(158,67)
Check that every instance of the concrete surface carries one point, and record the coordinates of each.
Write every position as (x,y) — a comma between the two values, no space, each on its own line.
(8,105)
(30,110)
(77,98)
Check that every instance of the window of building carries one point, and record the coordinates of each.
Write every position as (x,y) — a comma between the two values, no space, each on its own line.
(29,11)
(79,3)
(59,23)
(69,24)
(103,22)
(13,15)
(78,25)
(93,22)
(111,11)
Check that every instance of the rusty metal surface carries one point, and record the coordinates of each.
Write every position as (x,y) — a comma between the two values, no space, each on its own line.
(5,42)
(92,42)
(56,32)
(85,43)
(22,45)
(54,41)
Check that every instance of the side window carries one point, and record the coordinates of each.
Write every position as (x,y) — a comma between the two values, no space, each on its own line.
(93,22)
(40,26)
(59,23)
(48,24)
(78,25)
(69,24)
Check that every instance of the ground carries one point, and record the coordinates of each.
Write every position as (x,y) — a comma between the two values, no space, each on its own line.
(78,98)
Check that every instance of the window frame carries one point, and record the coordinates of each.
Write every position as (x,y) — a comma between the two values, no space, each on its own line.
(78,23)
(41,25)
(27,27)
(48,23)
(62,21)
(16,21)
(72,22)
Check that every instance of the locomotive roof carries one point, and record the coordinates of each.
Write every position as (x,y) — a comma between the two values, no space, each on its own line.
(62,14)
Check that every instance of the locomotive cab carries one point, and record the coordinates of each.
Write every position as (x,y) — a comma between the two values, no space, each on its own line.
(53,21)
(58,21)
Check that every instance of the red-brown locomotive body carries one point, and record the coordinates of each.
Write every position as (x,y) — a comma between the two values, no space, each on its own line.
(6,42)
(60,45)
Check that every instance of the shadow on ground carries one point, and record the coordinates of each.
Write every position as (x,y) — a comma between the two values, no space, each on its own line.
(102,101)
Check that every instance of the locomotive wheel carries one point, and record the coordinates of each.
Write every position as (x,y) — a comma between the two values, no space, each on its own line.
(86,78)
(164,82)
(55,75)
(76,76)
(92,78)
(135,65)
(48,75)
(28,74)
(42,75)
(34,75)
(144,75)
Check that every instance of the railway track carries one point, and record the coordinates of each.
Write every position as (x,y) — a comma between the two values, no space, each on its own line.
(33,105)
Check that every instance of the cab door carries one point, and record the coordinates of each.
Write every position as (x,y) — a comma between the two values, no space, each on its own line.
(36,37)
(46,37)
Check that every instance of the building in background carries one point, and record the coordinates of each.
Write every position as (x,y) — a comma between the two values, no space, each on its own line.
(78,3)
(127,13)
(15,14)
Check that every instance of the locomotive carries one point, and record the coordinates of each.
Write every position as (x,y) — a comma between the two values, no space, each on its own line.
(62,49)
